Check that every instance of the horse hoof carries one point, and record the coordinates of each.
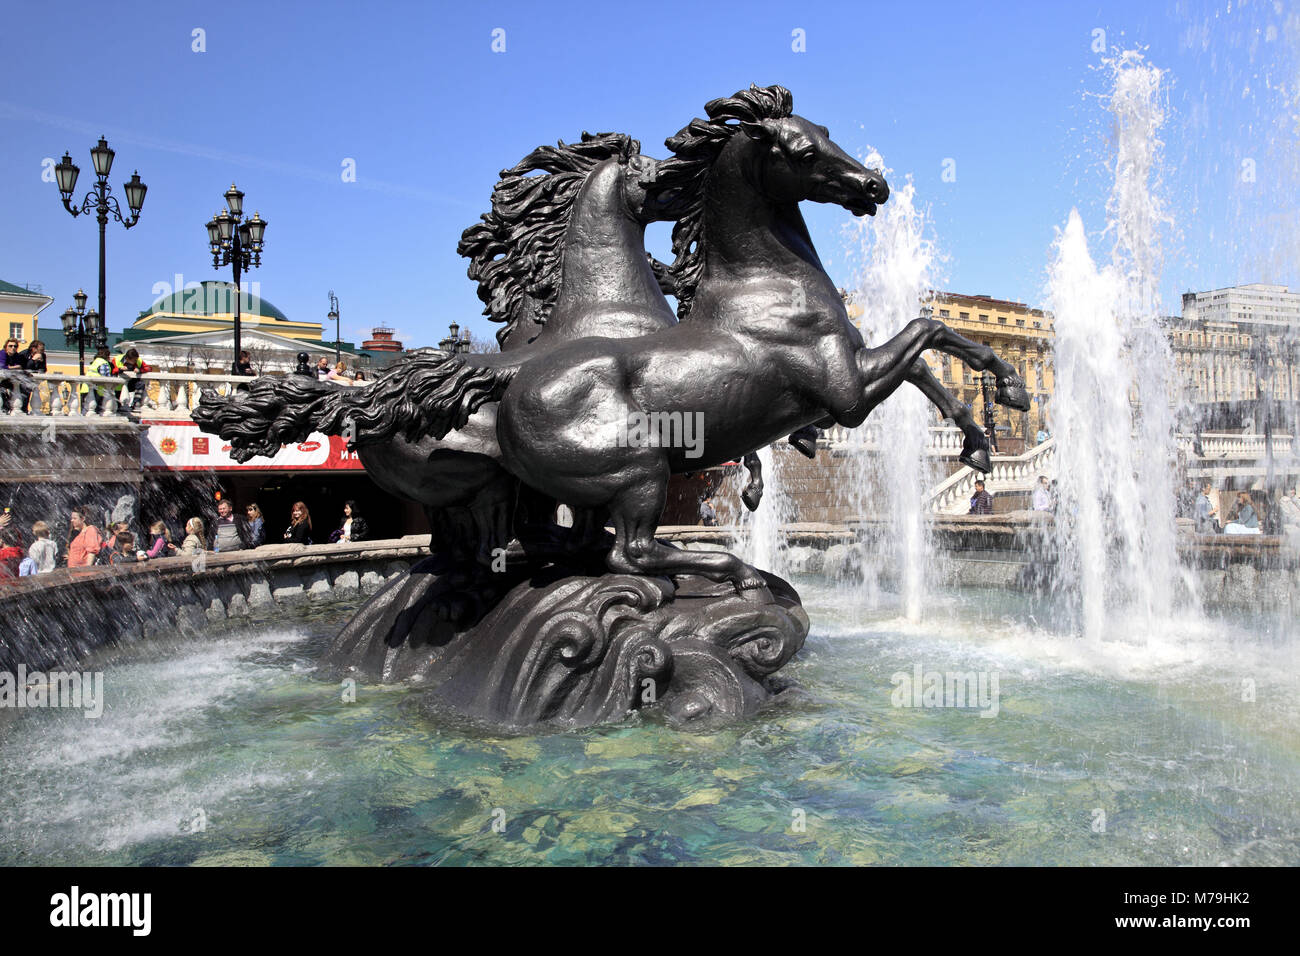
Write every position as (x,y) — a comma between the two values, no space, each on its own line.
(977,459)
(805,441)
(1013,396)
(751,496)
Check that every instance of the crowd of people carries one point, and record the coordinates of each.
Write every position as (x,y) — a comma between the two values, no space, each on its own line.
(126,369)
(86,544)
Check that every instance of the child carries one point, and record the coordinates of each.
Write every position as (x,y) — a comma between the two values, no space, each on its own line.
(43,551)
(160,546)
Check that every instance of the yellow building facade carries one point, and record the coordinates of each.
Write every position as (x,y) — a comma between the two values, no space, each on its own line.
(1020,335)
(20,309)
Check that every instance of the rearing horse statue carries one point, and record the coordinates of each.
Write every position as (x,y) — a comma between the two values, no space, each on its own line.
(765,347)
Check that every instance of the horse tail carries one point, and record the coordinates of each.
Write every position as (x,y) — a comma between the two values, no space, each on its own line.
(423,395)
(272,412)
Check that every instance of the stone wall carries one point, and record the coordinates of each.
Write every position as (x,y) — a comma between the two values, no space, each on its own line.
(56,619)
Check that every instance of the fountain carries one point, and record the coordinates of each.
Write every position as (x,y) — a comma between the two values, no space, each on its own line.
(489,704)
(578,626)
(1112,410)
(888,480)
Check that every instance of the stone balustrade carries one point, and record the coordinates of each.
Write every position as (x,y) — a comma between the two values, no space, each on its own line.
(1009,474)
(163,394)
(944,440)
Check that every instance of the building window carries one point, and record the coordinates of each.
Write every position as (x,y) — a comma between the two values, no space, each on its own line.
(944,314)
(964,315)
(1038,325)
(1002,320)
(16,331)
(1020,323)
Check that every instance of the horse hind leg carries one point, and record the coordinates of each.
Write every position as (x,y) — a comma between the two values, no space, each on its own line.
(635,512)
(805,440)
(752,495)
(975,445)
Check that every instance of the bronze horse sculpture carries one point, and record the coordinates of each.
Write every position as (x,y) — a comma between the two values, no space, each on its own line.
(763,349)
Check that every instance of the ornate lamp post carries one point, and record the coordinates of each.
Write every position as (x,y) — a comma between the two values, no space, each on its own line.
(454,342)
(990,425)
(236,242)
(333,316)
(1262,358)
(104,204)
(78,324)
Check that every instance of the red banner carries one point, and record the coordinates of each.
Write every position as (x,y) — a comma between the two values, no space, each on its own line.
(177,446)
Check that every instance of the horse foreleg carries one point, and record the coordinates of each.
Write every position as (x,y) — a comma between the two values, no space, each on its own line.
(975,447)
(1011,387)
(884,368)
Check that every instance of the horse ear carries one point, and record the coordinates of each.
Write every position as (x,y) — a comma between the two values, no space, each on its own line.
(764,131)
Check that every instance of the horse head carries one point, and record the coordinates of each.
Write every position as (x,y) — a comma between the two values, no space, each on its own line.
(791,159)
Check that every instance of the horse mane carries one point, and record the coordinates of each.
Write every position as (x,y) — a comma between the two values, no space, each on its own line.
(680,181)
(517,252)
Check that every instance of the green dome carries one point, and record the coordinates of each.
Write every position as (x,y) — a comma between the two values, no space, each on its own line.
(213,298)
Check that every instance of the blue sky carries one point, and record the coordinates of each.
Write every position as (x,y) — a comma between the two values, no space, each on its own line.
(285,93)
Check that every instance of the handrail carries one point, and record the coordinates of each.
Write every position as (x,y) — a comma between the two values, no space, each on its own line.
(1010,473)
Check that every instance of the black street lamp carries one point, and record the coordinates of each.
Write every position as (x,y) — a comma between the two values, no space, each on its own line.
(101,200)
(990,427)
(454,342)
(334,317)
(78,324)
(236,242)
(1261,357)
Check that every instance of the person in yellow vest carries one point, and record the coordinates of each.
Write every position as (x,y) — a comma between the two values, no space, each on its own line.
(130,366)
(101,364)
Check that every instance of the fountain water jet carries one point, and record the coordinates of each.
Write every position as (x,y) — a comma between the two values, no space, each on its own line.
(1112,411)
(895,272)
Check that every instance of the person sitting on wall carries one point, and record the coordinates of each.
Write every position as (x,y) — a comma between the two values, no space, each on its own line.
(13,385)
(981,503)
(322,368)
(353,527)
(245,365)
(230,531)
(130,366)
(32,360)
(1244,519)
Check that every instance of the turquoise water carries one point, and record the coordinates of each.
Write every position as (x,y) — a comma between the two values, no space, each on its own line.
(225,751)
